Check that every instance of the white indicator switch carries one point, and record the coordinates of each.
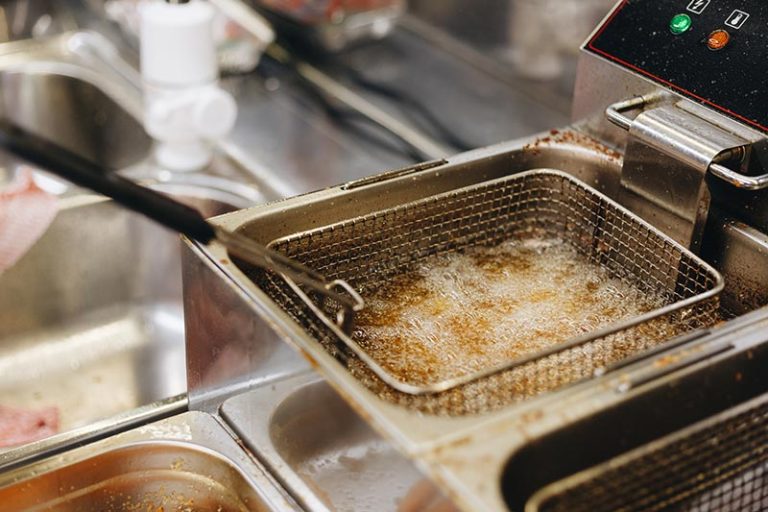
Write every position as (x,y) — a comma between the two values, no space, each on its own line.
(698,6)
(737,19)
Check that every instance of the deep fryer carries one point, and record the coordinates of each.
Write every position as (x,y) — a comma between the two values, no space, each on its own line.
(665,125)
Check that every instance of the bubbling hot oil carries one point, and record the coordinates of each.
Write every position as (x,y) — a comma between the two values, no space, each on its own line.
(464,312)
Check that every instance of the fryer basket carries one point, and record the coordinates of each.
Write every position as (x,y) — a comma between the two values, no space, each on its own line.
(720,464)
(369,249)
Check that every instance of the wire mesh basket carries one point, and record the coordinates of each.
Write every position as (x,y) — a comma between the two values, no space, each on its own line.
(720,464)
(371,250)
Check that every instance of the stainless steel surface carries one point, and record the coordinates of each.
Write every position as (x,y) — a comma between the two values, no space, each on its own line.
(22,19)
(227,352)
(683,398)
(738,179)
(74,112)
(284,131)
(666,161)
(685,147)
(515,40)
(59,443)
(348,97)
(449,448)
(481,104)
(68,89)
(91,316)
(367,251)
(718,464)
(188,462)
(739,251)
(324,454)
(616,113)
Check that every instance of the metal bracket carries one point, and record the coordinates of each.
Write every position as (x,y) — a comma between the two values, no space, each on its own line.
(616,115)
(669,154)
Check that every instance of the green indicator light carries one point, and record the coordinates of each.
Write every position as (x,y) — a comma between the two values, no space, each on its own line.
(680,23)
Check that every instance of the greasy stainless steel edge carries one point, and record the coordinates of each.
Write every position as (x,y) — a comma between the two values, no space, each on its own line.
(613,328)
(33,452)
(265,436)
(199,431)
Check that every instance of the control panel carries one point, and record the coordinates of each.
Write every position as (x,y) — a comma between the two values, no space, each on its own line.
(714,52)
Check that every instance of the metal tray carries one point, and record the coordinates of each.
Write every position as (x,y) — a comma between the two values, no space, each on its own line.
(323,453)
(188,462)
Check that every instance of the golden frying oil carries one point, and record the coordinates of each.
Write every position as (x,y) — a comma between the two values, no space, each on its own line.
(460,313)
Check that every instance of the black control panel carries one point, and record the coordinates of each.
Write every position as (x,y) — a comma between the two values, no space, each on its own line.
(713,51)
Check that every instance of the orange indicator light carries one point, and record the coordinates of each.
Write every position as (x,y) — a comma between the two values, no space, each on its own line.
(718,40)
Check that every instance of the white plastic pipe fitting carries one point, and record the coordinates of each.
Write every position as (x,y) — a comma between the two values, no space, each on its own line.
(185,110)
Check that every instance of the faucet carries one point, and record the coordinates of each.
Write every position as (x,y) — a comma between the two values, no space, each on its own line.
(185,110)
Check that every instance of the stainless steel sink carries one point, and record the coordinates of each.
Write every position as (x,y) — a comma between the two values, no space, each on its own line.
(320,449)
(76,114)
(91,318)
(185,463)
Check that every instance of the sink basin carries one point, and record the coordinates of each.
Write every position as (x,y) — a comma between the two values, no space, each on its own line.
(91,316)
(324,453)
(187,463)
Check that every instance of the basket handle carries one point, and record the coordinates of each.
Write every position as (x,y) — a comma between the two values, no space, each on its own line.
(615,113)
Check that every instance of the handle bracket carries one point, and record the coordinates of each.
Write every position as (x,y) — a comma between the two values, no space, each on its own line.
(616,114)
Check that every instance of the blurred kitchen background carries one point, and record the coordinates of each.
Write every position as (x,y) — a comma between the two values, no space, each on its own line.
(459,73)
(349,89)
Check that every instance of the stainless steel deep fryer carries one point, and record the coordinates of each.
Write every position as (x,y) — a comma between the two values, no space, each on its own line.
(367,251)
(657,131)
